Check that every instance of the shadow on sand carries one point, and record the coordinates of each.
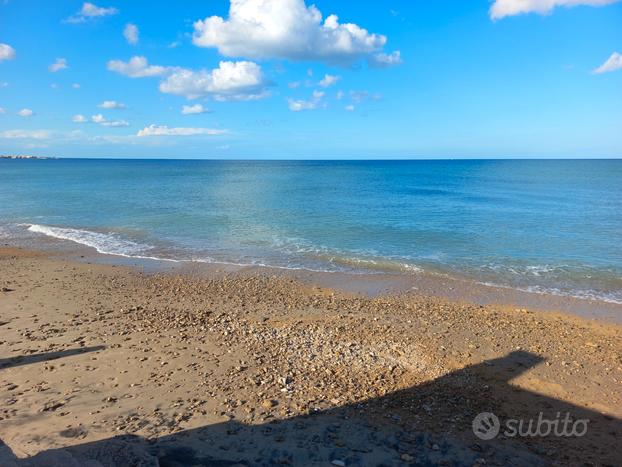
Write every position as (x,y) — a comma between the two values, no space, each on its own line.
(428,424)
(44,357)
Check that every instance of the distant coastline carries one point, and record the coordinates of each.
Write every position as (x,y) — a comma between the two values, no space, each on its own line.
(24,156)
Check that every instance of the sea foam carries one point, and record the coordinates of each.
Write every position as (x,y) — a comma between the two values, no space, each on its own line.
(106,243)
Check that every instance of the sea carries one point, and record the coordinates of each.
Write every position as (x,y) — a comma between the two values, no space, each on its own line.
(546,226)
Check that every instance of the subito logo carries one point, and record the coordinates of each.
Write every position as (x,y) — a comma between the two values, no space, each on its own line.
(486,425)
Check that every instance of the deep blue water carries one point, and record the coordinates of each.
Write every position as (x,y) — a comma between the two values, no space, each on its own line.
(543,225)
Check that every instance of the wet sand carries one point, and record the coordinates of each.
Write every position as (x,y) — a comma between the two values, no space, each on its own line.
(113,364)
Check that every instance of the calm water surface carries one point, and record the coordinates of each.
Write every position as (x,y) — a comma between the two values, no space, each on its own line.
(551,226)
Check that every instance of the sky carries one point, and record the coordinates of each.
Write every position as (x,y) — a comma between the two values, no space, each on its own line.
(283,79)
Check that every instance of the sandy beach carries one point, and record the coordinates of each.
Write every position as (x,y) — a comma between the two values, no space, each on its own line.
(102,364)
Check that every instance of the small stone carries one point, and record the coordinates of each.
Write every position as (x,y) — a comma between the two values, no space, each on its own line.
(268,403)
(338,463)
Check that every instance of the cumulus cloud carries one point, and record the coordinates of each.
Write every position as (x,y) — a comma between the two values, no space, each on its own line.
(329,80)
(59,64)
(136,67)
(25,134)
(350,107)
(25,113)
(230,81)
(89,11)
(193,109)
(131,33)
(285,29)
(6,52)
(103,121)
(298,105)
(163,130)
(241,80)
(112,105)
(79,118)
(613,63)
(382,60)
(75,86)
(502,8)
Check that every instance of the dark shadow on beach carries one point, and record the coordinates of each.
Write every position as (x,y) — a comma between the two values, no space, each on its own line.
(44,357)
(427,424)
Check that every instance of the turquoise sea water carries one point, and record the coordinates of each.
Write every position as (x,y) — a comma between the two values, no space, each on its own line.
(551,226)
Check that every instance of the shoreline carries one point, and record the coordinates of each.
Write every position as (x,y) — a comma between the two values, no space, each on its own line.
(103,359)
(442,285)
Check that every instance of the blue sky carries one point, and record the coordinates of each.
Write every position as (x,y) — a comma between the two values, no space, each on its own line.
(285,79)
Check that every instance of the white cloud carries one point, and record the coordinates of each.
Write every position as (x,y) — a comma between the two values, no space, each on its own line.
(502,8)
(25,113)
(75,86)
(89,10)
(112,105)
(285,29)
(59,64)
(241,80)
(230,81)
(297,105)
(25,134)
(613,63)
(163,130)
(382,60)
(340,95)
(79,118)
(103,121)
(6,52)
(360,96)
(193,109)
(350,107)
(329,80)
(2,111)
(131,33)
(137,67)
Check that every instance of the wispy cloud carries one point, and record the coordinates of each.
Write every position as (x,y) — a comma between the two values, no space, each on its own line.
(383,60)
(103,121)
(25,134)
(163,130)
(329,80)
(502,8)
(613,63)
(316,102)
(25,113)
(112,105)
(59,64)
(131,33)
(194,109)
(90,11)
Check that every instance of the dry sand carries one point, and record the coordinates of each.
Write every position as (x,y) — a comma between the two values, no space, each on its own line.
(105,365)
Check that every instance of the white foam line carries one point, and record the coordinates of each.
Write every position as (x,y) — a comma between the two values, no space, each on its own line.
(98,241)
